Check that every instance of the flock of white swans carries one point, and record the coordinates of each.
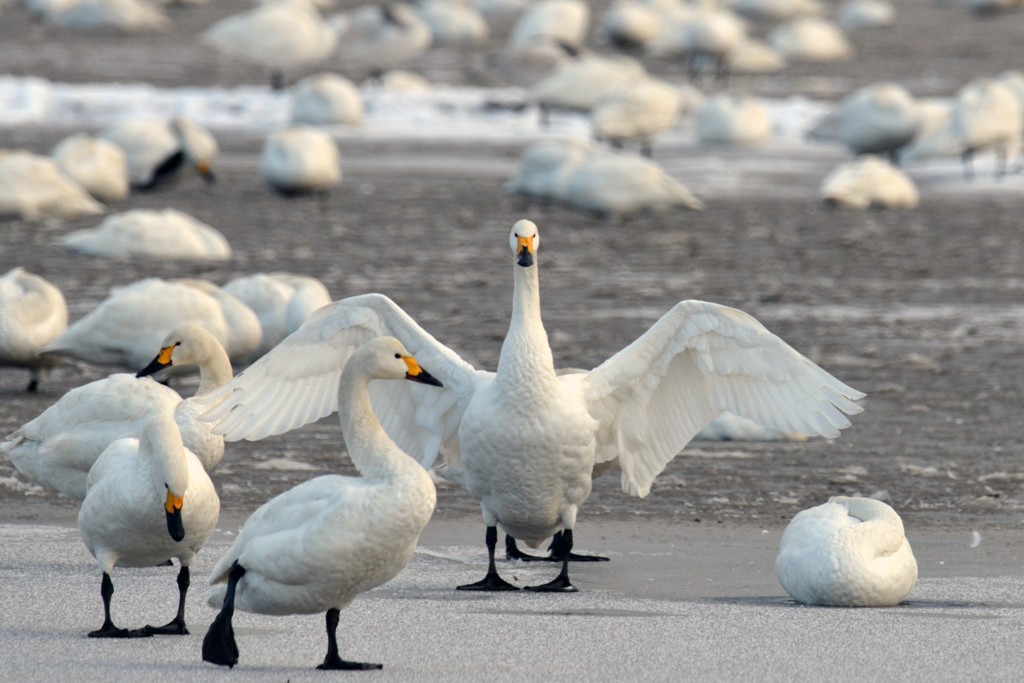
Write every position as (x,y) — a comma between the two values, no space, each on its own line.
(525,440)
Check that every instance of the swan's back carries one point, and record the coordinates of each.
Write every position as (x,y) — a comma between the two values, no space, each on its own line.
(301,159)
(33,313)
(166,234)
(98,165)
(33,186)
(848,552)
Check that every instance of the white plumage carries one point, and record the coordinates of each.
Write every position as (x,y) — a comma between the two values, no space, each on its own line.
(378,37)
(58,447)
(326,99)
(849,552)
(317,546)
(149,499)
(282,301)
(579,84)
(453,22)
(166,234)
(32,314)
(637,112)
(858,14)
(733,119)
(300,159)
(879,119)
(810,39)
(97,165)
(124,328)
(158,149)
(33,187)
(554,21)
(869,182)
(987,115)
(120,15)
(281,34)
(596,179)
(524,441)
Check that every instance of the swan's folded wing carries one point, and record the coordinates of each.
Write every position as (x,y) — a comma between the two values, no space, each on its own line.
(297,381)
(699,360)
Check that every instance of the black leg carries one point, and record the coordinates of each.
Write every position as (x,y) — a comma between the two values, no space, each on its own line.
(176,626)
(966,158)
(491,582)
(332,660)
(219,645)
(108,630)
(33,383)
(559,551)
(561,583)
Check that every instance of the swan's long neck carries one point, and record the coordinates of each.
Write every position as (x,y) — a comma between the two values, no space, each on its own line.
(526,354)
(364,434)
(214,369)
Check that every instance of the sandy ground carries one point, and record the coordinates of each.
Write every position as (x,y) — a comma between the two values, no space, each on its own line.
(919,309)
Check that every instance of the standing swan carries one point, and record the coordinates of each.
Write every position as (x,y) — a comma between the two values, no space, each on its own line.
(58,447)
(524,440)
(849,552)
(121,520)
(319,545)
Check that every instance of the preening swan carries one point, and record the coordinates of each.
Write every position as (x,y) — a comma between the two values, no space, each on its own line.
(849,552)
(869,181)
(316,547)
(300,159)
(59,446)
(149,499)
(524,441)
(158,150)
(32,314)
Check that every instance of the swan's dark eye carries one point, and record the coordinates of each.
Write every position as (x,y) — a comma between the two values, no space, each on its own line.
(398,355)
(177,343)
(167,487)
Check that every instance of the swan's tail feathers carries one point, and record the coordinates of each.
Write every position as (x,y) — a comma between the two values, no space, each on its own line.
(219,646)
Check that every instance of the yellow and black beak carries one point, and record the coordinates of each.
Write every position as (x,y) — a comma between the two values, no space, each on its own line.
(418,374)
(203,169)
(524,251)
(173,509)
(162,360)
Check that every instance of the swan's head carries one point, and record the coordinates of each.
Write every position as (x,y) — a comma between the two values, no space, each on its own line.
(160,441)
(198,144)
(524,240)
(184,345)
(387,358)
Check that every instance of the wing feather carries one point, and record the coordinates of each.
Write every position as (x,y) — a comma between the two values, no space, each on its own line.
(297,381)
(698,361)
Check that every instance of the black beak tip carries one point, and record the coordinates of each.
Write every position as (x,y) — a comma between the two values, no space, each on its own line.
(425,378)
(525,259)
(154,366)
(174,526)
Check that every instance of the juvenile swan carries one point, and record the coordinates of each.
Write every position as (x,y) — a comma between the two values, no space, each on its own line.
(523,440)
(849,552)
(149,500)
(316,547)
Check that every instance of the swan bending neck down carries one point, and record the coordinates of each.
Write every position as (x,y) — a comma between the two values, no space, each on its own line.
(317,546)
(149,499)
(849,552)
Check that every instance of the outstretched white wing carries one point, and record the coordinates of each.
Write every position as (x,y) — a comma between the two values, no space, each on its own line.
(297,381)
(699,360)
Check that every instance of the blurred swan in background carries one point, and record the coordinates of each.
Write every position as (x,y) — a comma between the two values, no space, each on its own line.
(150,233)
(637,112)
(32,314)
(276,35)
(987,115)
(300,159)
(124,328)
(453,22)
(282,301)
(98,165)
(326,99)
(120,15)
(869,182)
(879,119)
(157,150)
(33,187)
(378,37)
(733,119)
(553,21)
(811,39)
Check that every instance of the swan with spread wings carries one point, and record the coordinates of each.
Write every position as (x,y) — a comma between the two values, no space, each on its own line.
(524,440)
